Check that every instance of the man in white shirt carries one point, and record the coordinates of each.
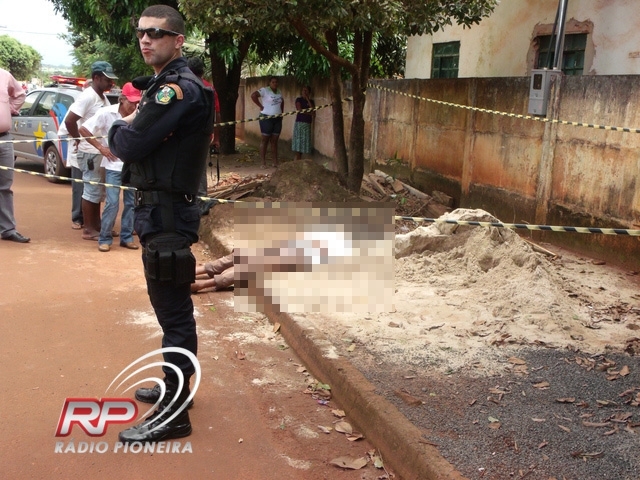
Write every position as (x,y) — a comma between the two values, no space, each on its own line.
(85,107)
(98,126)
(271,103)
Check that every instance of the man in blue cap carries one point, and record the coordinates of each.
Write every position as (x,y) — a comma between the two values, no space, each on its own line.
(85,106)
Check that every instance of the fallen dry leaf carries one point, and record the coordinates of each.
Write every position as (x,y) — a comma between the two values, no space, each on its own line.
(541,385)
(343,427)
(564,428)
(408,398)
(596,424)
(498,391)
(376,459)
(624,371)
(587,455)
(351,347)
(517,361)
(566,400)
(543,444)
(621,417)
(495,426)
(538,419)
(520,370)
(322,394)
(352,437)
(338,413)
(301,369)
(394,325)
(240,356)
(276,327)
(350,463)
(324,429)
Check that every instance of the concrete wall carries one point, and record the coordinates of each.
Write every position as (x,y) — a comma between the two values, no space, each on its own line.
(522,171)
(503,44)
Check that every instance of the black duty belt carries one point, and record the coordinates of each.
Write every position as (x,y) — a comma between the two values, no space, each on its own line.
(146,197)
(2,134)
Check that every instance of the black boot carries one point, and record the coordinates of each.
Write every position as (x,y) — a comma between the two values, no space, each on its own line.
(151,395)
(179,427)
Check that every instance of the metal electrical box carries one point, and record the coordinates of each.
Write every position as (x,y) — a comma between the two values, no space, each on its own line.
(539,90)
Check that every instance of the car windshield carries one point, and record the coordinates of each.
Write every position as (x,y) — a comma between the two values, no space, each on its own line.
(28,103)
(45,104)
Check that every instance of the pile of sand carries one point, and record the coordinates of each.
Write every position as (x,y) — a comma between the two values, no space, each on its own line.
(464,294)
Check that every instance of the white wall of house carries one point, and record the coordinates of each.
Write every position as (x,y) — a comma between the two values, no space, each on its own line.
(502,45)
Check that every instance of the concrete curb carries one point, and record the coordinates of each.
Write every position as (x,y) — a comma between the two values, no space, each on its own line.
(400,442)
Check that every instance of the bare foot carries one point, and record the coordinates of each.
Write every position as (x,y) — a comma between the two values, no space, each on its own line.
(90,234)
(199,285)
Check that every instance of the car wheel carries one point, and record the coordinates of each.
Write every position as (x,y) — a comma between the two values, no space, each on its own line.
(53,164)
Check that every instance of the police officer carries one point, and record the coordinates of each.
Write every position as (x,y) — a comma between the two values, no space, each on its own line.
(164,148)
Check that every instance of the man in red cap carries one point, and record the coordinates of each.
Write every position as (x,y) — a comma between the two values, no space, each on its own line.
(99,126)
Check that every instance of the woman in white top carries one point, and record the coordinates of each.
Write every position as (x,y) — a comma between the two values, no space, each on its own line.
(270,101)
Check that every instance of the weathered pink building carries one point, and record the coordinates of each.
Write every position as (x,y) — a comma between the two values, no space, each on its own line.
(603,36)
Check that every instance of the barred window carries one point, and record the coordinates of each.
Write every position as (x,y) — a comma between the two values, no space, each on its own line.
(446,60)
(572,54)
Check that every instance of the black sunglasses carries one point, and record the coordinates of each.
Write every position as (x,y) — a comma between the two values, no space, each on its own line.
(155,33)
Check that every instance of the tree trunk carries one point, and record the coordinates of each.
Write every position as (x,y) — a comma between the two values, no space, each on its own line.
(356,141)
(226,81)
(339,146)
(335,89)
(362,60)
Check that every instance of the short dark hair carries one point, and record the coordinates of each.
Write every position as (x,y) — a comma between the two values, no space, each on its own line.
(174,20)
(196,65)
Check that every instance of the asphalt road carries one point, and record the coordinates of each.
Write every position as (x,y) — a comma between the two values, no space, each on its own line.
(72,318)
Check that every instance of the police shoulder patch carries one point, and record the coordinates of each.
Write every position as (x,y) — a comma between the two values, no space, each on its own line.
(168,92)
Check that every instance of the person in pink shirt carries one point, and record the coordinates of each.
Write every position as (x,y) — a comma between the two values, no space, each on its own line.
(11,99)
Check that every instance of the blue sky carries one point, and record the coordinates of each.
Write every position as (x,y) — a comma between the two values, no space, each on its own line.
(34,23)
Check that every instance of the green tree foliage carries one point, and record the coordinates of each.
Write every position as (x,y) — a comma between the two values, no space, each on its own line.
(323,24)
(126,60)
(387,61)
(112,21)
(21,60)
(104,29)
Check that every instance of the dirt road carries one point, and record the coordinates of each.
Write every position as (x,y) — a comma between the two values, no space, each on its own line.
(73,318)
